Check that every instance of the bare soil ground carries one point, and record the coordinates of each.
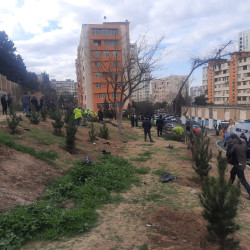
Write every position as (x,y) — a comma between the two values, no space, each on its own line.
(153,214)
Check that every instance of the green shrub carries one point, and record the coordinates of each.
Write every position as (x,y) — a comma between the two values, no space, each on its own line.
(58,124)
(13,120)
(34,115)
(174,137)
(92,133)
(104,131)
(44,113)
(70,134)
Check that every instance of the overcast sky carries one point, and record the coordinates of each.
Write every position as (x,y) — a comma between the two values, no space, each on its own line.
(46,32)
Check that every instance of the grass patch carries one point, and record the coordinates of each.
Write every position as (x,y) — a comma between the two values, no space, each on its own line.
(130,136)
(45,137)
(159,172)
(154,197)
(184,158)
(9,141)
(143,170)
(145,145)
(88,187)
(143,156)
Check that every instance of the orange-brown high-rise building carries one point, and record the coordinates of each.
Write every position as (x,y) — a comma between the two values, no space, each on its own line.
(102,48)
(228,82)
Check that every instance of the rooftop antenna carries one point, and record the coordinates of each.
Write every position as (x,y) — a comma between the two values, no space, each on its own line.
(105,18)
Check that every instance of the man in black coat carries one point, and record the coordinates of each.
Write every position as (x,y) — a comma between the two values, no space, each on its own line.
(4,104)
(146,124)
(159,125)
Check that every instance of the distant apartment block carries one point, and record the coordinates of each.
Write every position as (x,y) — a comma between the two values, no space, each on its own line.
(244,41)
(227,82)
(166,89)
(196,91)
(67,86)
(143,90)
(102,49)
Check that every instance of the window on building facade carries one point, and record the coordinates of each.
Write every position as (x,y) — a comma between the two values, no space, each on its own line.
(116,95)
(244,67)
(97,74)
(98,85)
(105,31)
(102,96)
(97,42)
(106,53)
(115,64)
(97,53)
(97,64)
(115,53)
(111,42)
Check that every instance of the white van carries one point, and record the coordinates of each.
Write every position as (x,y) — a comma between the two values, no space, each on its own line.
(240,128)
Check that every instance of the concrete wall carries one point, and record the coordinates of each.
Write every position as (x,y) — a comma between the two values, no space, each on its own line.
(215,114)
(12,88)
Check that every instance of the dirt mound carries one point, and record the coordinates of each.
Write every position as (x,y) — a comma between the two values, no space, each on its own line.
(177,230)
(23,178)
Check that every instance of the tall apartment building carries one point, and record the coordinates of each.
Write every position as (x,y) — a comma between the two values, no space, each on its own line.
(102,48)
(244,40)
(166,89)
(227,82)
(196,91)
(67,86)
(143,90)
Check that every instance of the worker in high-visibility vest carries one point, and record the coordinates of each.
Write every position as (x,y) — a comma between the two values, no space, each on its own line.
(85,114)
(95,114)
(89,112)
(78,116)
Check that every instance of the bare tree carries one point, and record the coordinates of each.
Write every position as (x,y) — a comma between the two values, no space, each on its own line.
(197,62)
(129,73)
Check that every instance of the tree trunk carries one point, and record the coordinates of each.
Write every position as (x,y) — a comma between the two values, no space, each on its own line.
(119,119)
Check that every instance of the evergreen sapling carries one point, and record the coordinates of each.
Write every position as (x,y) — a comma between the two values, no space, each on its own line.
(58,124)
(34,115)
(92,133)
(104,131)
(13,120)
(220,199)
(71,130)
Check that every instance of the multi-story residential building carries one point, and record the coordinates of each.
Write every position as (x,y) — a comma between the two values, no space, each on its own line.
(143,90)
(196,91)
(166,89)
(68,86)
(102,49)
(244,40)
(227,82)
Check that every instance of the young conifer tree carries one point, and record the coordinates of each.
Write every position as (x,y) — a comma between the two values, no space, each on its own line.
(220,199)
(71,130)
(13,120)
(58,124)
(202,154)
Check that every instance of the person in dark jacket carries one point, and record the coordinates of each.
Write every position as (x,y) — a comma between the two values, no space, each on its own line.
(35,103)
(9,101)
(159,125)
(242,136)
(236,151)
(4,104)
(132,119)
(42,103)
(100,115)
(146,124)
(26,103)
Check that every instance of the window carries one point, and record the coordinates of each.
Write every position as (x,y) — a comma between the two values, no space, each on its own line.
(115,64)
(98,85)
(102,96)
(97,74)
(245,67)
(97,42)
(96,53)
(116,95)
(97,64)
(111,42)
(115,53)
(106,53)
(105,31)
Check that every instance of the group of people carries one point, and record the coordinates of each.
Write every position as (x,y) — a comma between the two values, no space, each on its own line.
(6,102)
(80,114)
(146,124)
(27,100)
(236,155)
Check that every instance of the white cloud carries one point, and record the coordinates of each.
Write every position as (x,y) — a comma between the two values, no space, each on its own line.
(46,32)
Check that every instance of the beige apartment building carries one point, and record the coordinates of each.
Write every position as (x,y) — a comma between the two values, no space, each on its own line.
(166,89)
(227,82)
(67,86)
